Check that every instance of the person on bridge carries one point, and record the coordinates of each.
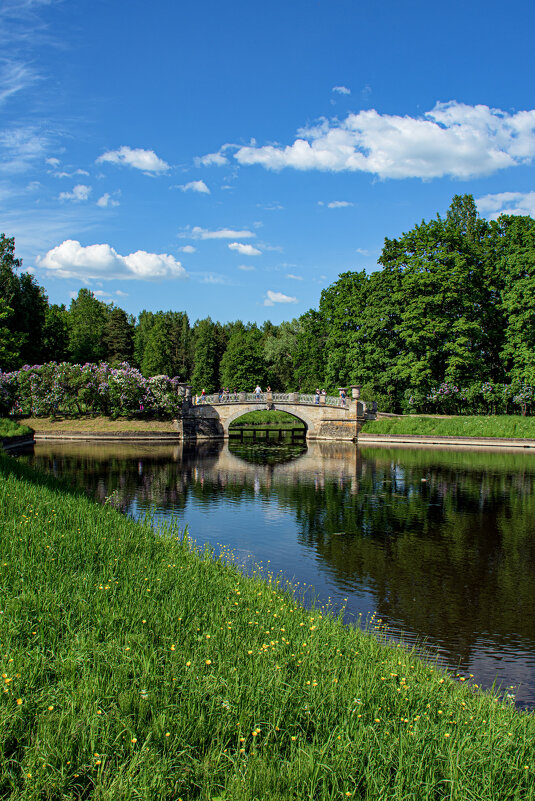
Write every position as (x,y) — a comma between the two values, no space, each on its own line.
(258,391)
(342,398)
(203,396)
(317,397)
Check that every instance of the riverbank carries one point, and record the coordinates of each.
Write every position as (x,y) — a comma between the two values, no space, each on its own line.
(461,427)
(134,665)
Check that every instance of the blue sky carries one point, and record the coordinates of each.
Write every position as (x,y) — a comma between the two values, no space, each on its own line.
(231,159)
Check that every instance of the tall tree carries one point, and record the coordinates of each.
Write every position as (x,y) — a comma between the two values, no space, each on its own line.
(205,356)
(515,245)
(242,365)
(87,322)
(168,348)
(118,336)
(56,334)
(28,301)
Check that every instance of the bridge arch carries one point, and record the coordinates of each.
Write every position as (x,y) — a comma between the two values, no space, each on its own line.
(254,408)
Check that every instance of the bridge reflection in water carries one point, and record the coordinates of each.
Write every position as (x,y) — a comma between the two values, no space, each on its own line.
(449,559)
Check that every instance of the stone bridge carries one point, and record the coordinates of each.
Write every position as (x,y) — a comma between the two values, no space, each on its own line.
(324,417)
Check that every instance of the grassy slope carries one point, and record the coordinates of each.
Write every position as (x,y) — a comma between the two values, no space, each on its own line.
(9,428)
(136,668)
(98,424)
(469,426)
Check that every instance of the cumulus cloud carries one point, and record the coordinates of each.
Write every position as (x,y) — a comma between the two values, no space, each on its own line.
(73,260)
(195,186)
(107,200)
(79,193)
(294,277)
(217,159)
(277,297)
(188,249)
(145,160)
(247,268)
(245,250)
(223,233)
(52,162)
(341,90)
(452,139)
(492,206)
(337,204)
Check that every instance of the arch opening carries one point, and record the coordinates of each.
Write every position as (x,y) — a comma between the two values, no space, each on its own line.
(266,419)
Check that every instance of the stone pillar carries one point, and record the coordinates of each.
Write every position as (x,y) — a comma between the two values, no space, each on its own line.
(293,397)
(355,391)
(323,399)
(241,397)
(269,396)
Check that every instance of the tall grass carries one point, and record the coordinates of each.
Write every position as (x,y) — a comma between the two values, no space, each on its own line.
(508,426)
(137,667)
(10,428)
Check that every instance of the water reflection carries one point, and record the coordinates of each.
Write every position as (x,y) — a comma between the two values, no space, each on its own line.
(441,544)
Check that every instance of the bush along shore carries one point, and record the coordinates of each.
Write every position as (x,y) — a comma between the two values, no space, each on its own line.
(137,666)
(10,428)
(495,426)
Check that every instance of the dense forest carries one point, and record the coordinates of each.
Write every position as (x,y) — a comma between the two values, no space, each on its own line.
(447,323)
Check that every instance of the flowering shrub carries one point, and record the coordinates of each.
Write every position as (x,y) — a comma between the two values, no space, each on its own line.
(52,388)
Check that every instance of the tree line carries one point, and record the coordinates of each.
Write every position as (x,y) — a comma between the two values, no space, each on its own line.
(447,323)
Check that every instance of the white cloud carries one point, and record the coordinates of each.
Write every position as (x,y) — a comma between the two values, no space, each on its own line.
(195,186)
(214,278)
(64,174)
(107,201)
(295,277)
(188,249)
(338,204)
(245,250)
(52,162)
(72,260)
(223,233)
(277,297)
(452,139)
(217,159)
(362,251)
(247,268)
(99,293)
(121,294)
(492,206)
(79,193)
(20,147)
(14,77)
(145,160)
(341,90)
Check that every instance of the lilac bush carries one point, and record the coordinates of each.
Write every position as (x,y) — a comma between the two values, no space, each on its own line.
(52,388)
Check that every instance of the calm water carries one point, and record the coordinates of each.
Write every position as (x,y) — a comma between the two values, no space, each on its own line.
(439,544)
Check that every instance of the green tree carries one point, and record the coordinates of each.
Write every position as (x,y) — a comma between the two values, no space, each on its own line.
(205,356)
(242,365)
(56,334)
(168,345)
(87,322)
(9,352)
(118,336)
(515,246)
(28,301)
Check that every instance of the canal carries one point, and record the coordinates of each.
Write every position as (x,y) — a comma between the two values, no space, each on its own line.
(433,546)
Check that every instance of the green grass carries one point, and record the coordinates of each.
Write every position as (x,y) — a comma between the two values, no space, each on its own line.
(10,428)
(263,418)
(509,426)
(136,667)
(98,424)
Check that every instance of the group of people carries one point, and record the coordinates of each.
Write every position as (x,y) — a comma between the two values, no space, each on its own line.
(318,395)
(225,394)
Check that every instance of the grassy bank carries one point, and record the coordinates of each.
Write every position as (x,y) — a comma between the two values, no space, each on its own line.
(470,426)
(10,428)
(265,418)
(136,667)
(99,424)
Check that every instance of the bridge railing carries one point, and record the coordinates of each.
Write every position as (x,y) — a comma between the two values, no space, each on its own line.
(276,397)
